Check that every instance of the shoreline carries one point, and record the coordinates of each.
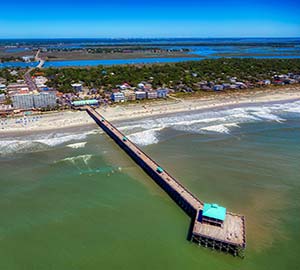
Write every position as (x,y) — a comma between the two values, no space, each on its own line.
(75,119)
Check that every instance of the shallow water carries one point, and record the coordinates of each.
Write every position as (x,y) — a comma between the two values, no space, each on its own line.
(81,203)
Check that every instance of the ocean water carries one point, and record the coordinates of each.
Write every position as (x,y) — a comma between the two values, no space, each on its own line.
(74,200)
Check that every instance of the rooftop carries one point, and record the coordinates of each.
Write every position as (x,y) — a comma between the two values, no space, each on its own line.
(214,211)
(85,102)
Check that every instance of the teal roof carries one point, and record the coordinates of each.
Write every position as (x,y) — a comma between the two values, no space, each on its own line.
(85,102)
(214,211)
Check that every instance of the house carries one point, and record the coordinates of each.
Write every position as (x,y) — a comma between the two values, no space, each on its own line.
(241,85)
(162,93)
(14,73)
(77,87)
(2,97)
(117,97)
(205,87)
(140,95)
(124,86)
(148,86)
(218,87)
(129,95)
(278,82)
(213,214)
(226,85)
(141,85)
(2,87)
(266,82)
(233,79)
(40,81)
(152,94)
(290,81)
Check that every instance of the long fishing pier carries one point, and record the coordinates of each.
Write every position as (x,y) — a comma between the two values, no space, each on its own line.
(228,237)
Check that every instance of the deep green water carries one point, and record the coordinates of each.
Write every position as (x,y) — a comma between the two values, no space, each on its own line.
(92,208)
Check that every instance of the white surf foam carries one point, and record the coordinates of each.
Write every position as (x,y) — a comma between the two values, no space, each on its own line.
(81,158)
(221,128)
(145,137)
(218,121)
(39,142)
(81,162)
(77,145)
(266,114)
(292,107)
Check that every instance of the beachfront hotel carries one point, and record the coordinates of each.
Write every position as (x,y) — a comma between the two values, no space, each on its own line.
(34,100)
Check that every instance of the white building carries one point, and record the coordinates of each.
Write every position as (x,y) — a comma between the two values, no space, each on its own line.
(152,94)
(141,85)
(140,95)
(44,99)
(77,87)
(22,101)
(40,81)
(37,100)
(129,95)
(28,58)
(2,97)
(118,97)
(2,87)
(14,73)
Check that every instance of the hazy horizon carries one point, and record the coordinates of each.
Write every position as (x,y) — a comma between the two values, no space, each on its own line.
(148,38)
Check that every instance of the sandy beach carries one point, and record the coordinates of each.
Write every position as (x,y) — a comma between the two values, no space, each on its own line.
(68,119)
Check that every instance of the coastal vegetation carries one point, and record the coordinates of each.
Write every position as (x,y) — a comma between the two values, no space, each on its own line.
(7,76)
(11,59)
(117,49)
(172,75)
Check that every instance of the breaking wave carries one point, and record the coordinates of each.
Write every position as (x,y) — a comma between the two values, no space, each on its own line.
(222,128)
(77,145)
(35,143)
(148,131)
(80,162)
(145,137)
(82,158)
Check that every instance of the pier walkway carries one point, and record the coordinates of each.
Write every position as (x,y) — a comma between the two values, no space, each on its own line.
(229,238)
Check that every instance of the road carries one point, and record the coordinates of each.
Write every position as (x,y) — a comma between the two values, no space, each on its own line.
(39,59)
(31,84)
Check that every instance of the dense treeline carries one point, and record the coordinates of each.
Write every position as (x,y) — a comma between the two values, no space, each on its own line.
(5,74)
(170,75)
